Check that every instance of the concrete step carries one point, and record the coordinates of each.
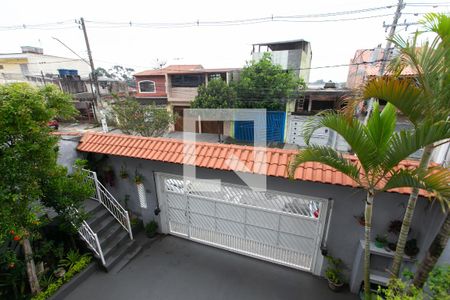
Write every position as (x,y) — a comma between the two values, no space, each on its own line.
(117,241)
(92,206)
(106,222)
(128,256)
(98,217)
(118,253)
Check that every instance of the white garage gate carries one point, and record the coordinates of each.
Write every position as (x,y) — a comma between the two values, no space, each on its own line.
(282,228)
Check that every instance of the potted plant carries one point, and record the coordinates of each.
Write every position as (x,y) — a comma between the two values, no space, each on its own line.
(361,219)
(123,173)
(109,175)
(333,273)
(391,246)
(150,229)
(380,241)
(411,248)
(138,179)
(395,226)
(136,224)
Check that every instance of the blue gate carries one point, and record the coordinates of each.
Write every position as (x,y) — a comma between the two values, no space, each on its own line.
(244,131)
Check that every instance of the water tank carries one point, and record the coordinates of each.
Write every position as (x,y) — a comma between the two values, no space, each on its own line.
(67,72)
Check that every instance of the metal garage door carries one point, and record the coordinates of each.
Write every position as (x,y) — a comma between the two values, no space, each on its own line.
(278,227)
(295,132)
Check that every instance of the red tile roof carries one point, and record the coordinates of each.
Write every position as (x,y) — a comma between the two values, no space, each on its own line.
(257,160)
(183,69)
(163,71)
(375,70)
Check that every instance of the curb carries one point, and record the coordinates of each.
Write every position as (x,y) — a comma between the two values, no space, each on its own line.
(68,287)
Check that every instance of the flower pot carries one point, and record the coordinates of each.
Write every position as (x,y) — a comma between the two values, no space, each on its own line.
(392,246)
(379,244)
(151,235)
(335,287)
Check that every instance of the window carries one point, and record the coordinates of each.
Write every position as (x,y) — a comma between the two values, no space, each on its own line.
(147,86)
(192,80)
(222,76)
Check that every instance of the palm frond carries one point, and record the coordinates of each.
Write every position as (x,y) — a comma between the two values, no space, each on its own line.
(352,131)
(380,126)
(403,94)
(437,23)
(404,143)
(435,181)
(326,156)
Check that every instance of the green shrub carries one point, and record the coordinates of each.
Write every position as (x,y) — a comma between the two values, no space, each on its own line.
(53,287)
(72,258)
(439,282)
(150,228)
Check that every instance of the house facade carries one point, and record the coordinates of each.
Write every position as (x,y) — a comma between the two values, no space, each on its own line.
(366,64)
(177,85)
(295,55)
(32,62)
(291,222)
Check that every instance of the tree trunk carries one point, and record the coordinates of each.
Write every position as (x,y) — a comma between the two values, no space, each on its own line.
(31,267)
(368,226)
(434,252)
(407,218)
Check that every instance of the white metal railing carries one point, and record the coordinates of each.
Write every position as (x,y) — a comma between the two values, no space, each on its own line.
(90,237)
(103,196)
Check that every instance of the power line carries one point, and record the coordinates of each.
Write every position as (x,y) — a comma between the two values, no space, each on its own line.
(248,21)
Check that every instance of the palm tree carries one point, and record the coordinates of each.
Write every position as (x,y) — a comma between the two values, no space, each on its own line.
(433,254)
(379,150)
(423,101)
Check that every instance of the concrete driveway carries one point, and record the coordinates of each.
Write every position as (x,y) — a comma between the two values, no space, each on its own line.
(174,268)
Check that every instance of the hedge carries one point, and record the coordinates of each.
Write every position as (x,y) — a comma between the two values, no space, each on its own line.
(53,287)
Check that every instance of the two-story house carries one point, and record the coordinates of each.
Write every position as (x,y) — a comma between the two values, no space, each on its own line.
(176,86)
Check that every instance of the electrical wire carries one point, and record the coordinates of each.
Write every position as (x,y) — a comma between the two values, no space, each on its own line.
(248,21)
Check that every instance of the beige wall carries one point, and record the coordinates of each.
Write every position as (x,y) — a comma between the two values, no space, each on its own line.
(182,94)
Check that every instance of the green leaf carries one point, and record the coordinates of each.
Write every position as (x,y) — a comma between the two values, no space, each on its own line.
(327,156)
(381,126)
(352,131)
(435,180)
(401,93)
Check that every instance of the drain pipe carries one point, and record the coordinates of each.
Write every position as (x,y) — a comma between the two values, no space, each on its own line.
(323,244)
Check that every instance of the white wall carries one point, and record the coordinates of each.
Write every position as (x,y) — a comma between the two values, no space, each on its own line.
(51,64)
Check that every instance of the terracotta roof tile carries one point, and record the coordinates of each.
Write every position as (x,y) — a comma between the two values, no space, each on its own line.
(267,161)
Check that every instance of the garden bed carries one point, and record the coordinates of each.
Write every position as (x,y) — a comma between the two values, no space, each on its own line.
(71,279)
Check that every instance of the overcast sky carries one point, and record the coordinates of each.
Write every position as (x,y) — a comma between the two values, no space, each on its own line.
(225,46)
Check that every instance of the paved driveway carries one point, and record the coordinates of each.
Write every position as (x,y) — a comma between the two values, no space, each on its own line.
(174,268)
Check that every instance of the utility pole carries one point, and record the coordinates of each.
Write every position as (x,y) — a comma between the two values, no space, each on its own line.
(386,51)
(393,26)
(91,63)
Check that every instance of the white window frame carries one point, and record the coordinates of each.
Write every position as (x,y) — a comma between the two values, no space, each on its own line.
(154,85)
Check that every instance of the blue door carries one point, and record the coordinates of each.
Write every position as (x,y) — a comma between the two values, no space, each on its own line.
(244,131)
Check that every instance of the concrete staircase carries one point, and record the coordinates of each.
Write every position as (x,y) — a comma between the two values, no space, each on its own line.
(115,242)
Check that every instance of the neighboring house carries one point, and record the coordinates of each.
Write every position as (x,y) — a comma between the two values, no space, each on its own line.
(176,86)
(364,70)
(294,222)
(318,98)
(32,62)
(366,64)
(292,55)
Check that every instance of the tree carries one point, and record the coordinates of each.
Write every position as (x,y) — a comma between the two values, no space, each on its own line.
(119,73)
(217,94)
(145,120)
(28,160)
(379,150)
(423,101)
(263,84)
